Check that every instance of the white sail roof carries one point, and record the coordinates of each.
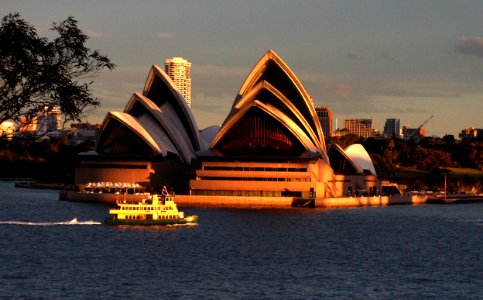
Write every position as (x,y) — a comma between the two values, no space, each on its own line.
(359,155)
(159,116)
(273,88)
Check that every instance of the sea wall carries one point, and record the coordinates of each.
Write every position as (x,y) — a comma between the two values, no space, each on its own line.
(287,202)
(252,202)
(370,201)
(234,201)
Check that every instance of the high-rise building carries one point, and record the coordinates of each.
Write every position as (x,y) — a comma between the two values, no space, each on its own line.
(471,133)
(360,127)
(325,118)
(49,119)
(179,69)
(392,127)
(412,133)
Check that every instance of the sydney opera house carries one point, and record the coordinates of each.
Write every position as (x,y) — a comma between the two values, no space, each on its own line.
(271,143)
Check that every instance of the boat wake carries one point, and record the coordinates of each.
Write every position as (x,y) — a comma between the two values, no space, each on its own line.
(71,222)
(182,225)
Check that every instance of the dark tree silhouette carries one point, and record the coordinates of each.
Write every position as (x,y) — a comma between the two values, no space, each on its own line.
(36,73)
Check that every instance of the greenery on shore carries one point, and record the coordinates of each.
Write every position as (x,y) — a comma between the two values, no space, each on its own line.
(422,164)
(46,161)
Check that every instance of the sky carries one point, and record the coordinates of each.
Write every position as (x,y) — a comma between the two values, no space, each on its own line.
(374,59)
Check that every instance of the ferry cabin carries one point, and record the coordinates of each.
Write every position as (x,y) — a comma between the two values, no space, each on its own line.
(148,209)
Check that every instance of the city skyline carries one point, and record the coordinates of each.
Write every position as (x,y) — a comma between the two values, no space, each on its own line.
(370,59)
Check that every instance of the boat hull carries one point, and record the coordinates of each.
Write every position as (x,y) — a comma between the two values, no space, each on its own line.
(162,222)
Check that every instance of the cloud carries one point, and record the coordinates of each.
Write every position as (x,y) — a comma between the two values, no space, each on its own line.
(383,55)
(163,35)
(324,86)
(210,110)
(470,46)
(377,55)
(220,71)
(95,34)
(353,56)
(218,81)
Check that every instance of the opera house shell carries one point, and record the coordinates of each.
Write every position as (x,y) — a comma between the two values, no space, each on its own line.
(152,142)
(271,144)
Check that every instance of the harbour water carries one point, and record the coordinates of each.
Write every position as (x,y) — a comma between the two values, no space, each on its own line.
(53,249)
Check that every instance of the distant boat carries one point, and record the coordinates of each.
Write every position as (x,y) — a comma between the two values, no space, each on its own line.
(155,210)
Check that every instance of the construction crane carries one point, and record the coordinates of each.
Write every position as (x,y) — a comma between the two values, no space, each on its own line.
(419,127)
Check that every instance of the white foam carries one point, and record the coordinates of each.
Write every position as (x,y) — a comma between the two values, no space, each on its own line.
(71,222)
(185,224)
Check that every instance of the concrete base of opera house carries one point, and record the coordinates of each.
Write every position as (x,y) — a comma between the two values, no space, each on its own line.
(370,201)
(253,202)
(288,202)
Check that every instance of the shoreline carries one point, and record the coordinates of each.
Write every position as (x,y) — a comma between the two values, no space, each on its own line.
(67,193)
(253,202)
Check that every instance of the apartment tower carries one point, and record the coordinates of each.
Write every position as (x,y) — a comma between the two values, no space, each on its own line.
(360,127)
(392,127)
(325,118)
(179,69)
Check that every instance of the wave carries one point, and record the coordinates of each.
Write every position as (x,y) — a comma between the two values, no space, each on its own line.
(475,221)
(187,224)
(71,222)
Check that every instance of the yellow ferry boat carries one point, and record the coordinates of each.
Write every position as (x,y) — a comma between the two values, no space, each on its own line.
(155,210)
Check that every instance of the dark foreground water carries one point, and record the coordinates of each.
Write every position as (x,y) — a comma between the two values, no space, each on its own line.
(396,252)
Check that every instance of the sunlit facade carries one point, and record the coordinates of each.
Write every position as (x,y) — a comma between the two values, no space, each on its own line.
(7,130)
(271,144)
(153,141)
(409,132)
(360,127)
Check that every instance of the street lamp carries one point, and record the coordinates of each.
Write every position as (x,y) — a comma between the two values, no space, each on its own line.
(445,172)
